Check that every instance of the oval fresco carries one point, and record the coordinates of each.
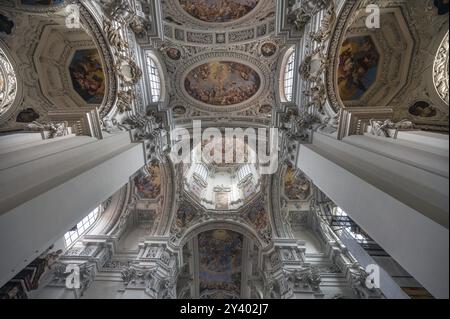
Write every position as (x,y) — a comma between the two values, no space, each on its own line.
(222,83)
(218,10)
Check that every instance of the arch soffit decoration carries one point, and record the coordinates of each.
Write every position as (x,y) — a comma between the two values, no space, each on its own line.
(17,89)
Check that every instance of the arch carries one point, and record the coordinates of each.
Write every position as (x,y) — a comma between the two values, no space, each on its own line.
(232,225)
(10,84)
(113,208)
(440,69)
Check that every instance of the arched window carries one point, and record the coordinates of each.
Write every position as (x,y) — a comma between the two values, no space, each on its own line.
(201,172)
(243,173)
(8,83)
(81,228)
(154,78)
(350,226)
(289,77)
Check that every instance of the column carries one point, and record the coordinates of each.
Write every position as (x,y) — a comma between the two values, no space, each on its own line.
(49,186)
(401,205)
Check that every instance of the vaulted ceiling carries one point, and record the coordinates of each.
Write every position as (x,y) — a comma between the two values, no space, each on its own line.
(221,68)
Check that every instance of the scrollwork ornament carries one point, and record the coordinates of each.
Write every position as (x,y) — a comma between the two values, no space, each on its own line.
(128,71)
(440,70)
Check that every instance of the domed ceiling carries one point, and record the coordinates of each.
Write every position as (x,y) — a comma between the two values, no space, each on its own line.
(220,59)
(218,10)
(222,83)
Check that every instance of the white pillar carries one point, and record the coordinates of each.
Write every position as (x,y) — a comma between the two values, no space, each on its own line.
(46,189)
(402,207)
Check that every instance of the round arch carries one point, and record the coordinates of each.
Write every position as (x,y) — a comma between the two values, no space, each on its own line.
(10,84)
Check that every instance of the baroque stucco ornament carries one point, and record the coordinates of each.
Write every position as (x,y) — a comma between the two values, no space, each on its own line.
(8,83)
(440,69)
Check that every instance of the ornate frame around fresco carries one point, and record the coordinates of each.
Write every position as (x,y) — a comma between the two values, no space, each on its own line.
(94,28)
(255,64)
(187,30)
(337,38)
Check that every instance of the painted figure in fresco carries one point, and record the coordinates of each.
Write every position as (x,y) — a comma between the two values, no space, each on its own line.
(296,186)
(222,83)
(422,109)
(173,53)
(258,217)
(442,5)
(268,49)
(6,25)
(87,75)
(184,215)
(218,10)
(149,186)
(220,253)
(179,110)
(27,116)
(265,109)
(42,2)
(357,67)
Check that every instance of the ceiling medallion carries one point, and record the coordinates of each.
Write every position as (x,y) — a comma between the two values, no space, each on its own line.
(265,109)
(129,72)
(217,11)
(173,53)
(222,83)
(268,49)
(179,110)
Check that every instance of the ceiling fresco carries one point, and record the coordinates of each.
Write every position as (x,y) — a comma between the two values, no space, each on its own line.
(6,24)
(148,184)
(220,259)
(375,68)
(296,186)
(358,67)
(87,75)
(218,10)
(222,83)
(41,2)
